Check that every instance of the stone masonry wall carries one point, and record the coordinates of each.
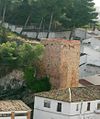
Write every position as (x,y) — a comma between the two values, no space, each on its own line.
(61,60)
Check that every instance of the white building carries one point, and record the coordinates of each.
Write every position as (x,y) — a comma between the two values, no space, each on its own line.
(72,103)
(14,109)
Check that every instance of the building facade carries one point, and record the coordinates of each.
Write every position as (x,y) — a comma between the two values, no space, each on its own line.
(61,60)
(84,103)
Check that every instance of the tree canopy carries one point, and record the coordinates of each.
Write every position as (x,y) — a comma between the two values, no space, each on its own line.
(66,13)
(23,55)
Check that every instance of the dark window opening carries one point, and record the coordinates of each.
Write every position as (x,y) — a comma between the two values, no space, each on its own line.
(59,107)
(20,114)
(98,106)
(88,106)
(77,107)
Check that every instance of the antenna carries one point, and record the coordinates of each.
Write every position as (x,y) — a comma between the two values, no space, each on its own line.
(70,95)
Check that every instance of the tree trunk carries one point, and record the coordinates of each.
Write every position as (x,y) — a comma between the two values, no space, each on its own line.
(72,33)
(27,20)
(39,28)
(4,13)
(51,19)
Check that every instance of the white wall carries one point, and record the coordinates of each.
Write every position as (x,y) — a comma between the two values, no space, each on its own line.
(68,110)
(41,112)
(65,34)
(6,25)
(39,104)
(83,61)
(95,43)
(81,48)
(18,29)
(20,117)
(93,56)
(82,71)
(5,117)
(13,27)
(80,33)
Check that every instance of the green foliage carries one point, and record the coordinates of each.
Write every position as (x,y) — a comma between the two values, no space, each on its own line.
(24,56)
(8,54)
(29,74)
(21,55)
(68,13)
(34,84)
(79,13)
(41,85)
(3,36)
(28,54)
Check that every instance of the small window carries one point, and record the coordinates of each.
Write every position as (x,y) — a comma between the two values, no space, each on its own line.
(77,107)
(59,107)
(98,106)
(88,106)
(47,104)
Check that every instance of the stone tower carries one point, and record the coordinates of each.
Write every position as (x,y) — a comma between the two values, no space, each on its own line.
(61,59)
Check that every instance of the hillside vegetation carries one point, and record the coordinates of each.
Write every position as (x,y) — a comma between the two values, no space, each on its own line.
(18,53)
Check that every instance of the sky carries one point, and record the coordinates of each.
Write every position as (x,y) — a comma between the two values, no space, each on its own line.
(97,2)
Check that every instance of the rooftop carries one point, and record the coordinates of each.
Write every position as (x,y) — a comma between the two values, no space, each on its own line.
(85,82)
(89,93)
(13,105)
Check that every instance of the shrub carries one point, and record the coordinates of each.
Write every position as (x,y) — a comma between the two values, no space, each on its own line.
(39,85)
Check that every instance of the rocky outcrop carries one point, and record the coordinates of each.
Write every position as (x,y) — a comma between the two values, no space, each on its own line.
(13,87)
(13,80)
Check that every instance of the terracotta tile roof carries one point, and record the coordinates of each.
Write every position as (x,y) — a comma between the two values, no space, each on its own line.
(13,105)
(85,82)
(89,93)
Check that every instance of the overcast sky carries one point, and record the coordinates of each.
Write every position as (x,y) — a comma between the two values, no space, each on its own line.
(97,2)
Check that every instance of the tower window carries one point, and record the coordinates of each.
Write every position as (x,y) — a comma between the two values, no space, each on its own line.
(59,107)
